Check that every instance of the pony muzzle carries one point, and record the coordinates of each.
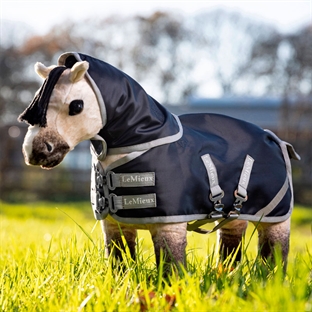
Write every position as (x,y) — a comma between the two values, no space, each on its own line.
(46,149)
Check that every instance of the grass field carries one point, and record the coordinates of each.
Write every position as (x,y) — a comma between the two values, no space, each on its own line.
(52,260)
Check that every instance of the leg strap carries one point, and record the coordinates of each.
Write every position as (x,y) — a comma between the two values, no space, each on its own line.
(216,194)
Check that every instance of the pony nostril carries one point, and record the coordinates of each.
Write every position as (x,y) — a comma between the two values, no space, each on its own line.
(49,146)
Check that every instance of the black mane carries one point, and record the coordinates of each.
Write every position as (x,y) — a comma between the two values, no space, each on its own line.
(36,112)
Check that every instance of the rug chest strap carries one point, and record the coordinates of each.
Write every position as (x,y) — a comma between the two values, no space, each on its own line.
(105,183)
(131,202)
(130,179)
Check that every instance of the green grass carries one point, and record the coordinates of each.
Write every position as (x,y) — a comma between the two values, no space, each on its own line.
(52,259)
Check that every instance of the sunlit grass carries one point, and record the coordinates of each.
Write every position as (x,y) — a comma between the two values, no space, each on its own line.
(52,259)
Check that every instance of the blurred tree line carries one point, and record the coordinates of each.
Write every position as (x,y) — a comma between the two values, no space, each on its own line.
(174,57)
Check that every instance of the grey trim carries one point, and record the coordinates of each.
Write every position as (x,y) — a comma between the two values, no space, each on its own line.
(284,147)
(288,147)
(61,61)
(274,202)
(261,214)
(166,219)
(151,144)
(195,217)
(124,160)
(291,151)
(288,183)
(99,98)
(253,218)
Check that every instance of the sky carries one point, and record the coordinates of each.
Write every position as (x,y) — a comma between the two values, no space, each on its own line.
(41,15)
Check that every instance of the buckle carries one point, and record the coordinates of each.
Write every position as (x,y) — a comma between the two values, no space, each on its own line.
(215,215)
(217,197)
(238,204)
(218,206)
(112,207)
(109,180)
(101,204)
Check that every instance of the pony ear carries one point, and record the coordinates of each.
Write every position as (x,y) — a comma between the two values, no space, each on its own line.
(42,70)
(78,71)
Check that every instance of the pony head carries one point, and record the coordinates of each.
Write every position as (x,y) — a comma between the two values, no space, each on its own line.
(85,98)
(63,113)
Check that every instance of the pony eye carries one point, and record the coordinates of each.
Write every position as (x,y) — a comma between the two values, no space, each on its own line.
(75,107)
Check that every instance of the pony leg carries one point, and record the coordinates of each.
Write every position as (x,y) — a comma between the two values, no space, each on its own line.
(114,243)
(170,242)
(274,235)
(230,237)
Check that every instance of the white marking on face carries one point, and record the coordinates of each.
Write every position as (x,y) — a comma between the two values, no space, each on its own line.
(80,127)
(28,141)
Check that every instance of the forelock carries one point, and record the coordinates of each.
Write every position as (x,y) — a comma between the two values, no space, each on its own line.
(36,112)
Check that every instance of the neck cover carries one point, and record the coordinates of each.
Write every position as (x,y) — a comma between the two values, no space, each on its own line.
(132,120)
(36,112)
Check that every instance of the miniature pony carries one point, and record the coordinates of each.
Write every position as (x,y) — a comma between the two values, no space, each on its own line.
(156,171)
